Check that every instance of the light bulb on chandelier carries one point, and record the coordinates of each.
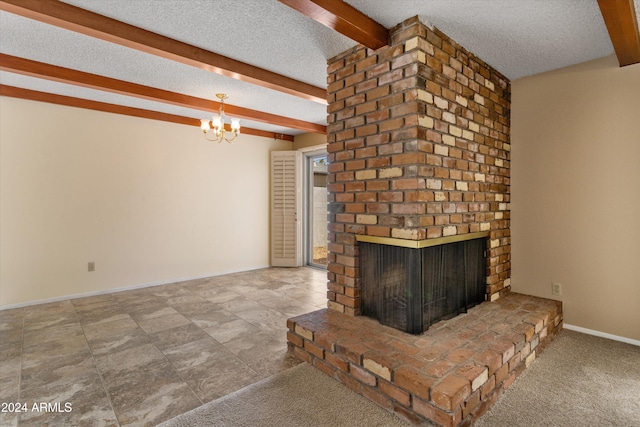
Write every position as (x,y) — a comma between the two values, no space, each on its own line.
(217,125)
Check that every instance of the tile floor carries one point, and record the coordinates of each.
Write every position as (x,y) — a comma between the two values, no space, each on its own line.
(140,357)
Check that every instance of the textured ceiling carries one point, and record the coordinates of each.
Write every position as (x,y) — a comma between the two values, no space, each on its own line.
(517,37)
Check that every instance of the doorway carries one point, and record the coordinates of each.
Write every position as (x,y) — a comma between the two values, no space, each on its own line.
(316,169)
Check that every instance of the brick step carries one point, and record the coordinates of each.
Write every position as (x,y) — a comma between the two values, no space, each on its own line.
(450,375)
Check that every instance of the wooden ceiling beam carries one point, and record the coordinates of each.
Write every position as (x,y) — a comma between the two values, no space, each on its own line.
(345,19)
(85,22)
(42,70)
(622,24)
(33,95)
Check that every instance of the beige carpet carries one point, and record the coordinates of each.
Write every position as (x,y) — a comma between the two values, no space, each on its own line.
(579,380)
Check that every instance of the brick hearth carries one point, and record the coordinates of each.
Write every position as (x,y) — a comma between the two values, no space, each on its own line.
(450,375)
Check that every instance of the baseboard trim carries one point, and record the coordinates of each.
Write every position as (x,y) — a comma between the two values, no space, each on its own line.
(111,291)
(602,334)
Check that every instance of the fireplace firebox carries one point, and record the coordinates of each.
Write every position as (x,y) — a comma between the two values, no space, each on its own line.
(410,288)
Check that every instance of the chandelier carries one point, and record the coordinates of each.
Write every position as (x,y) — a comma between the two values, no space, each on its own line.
(217,125)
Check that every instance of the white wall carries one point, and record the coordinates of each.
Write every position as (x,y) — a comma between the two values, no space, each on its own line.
(575,192)
(319,217)
(147,201)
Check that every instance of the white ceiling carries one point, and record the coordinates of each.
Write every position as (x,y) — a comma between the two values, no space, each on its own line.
(517,37)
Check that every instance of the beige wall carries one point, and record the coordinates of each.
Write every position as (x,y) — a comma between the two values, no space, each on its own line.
(576,192)
(306,140)
(147,201)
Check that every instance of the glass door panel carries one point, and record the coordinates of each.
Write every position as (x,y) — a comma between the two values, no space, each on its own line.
(317,210)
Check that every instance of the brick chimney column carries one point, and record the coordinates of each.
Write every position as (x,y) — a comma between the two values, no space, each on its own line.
(419,148)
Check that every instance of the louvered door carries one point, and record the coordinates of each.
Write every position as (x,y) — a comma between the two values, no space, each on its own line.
(286,209)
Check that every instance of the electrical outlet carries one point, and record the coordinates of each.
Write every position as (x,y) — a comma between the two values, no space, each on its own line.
(556,288)
(92,266)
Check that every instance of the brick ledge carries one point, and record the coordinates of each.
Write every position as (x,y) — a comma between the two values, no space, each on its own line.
(450,375)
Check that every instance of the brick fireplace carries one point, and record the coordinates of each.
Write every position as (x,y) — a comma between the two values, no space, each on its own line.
(418,143)
(419,154)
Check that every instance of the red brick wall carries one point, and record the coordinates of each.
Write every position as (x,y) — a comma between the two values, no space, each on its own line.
(418,142)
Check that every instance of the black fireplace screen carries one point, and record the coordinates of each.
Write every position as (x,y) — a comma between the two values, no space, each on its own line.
(410,289)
